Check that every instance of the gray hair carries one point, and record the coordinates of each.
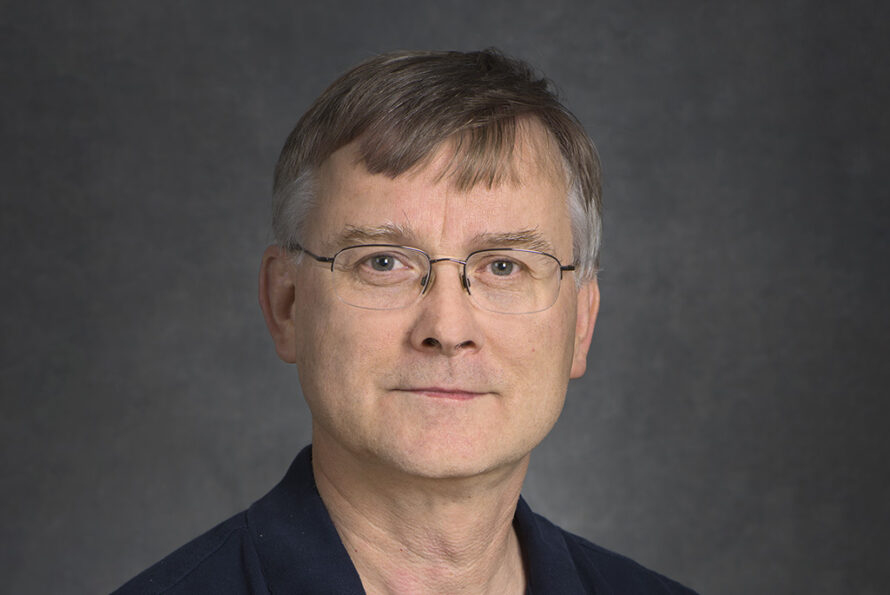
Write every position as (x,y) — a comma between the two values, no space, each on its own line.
(401,107)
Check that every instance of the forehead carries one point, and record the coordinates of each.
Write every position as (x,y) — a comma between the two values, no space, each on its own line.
(429,207)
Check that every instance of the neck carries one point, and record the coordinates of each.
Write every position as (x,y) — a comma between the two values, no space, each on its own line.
(408,534)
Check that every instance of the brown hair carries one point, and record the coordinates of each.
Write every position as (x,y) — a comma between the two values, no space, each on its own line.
(402,106)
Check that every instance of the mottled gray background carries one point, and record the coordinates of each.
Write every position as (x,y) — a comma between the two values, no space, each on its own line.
(731,431)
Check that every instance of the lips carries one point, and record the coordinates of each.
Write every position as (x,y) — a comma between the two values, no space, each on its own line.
(437,392)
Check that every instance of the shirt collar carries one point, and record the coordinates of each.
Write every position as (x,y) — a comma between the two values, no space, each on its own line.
(300,550)
(548,562)
(297,543)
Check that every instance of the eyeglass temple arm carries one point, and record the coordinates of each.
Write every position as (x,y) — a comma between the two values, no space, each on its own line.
(294,246)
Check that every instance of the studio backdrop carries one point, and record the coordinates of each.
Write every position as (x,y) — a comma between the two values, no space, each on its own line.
(730,431)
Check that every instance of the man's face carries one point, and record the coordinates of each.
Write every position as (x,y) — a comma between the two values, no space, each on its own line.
(440,388)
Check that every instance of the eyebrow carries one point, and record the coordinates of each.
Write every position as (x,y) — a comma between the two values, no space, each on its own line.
(529,239)
(387,233)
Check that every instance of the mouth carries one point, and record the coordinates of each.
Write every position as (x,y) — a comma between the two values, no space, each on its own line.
(437,392)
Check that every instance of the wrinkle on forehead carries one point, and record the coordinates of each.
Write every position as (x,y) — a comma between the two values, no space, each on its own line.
(534,162)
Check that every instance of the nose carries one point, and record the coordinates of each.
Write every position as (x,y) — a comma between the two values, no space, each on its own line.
(464,282)
(446,321)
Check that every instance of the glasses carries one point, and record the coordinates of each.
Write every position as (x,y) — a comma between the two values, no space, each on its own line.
(390,277)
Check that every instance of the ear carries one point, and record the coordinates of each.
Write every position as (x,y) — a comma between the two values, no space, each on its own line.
(277,300)
(588,308)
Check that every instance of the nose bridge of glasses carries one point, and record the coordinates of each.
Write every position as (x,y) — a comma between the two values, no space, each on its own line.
(464,282)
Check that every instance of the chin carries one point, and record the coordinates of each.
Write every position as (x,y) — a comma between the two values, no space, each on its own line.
(448,459)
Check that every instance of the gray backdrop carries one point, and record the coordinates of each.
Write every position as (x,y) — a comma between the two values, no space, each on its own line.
(731,429)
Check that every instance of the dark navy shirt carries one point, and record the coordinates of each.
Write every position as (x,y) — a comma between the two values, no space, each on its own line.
(287,543)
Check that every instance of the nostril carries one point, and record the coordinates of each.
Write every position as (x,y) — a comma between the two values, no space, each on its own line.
(430,342)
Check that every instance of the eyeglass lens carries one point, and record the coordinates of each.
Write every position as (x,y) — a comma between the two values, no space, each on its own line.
(510,281)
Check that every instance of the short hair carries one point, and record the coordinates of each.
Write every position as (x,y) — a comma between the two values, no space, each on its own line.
(402,106)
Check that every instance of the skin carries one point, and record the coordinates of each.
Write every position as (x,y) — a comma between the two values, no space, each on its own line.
(424,418)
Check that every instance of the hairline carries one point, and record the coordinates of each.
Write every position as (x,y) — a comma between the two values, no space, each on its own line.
(489,140)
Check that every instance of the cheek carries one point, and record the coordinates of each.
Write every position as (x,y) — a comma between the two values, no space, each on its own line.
(328,368)
(552,346)
(339,347)
(317,337)
(537,353)
(552,334)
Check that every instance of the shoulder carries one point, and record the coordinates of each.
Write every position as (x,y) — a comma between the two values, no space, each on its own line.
(222,560)
(622,574)
(599,570)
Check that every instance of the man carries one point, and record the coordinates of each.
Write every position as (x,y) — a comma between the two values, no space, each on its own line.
(437,217)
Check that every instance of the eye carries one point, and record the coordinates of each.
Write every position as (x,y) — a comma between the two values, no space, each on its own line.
(498,267)
(501,268)
(383,262)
